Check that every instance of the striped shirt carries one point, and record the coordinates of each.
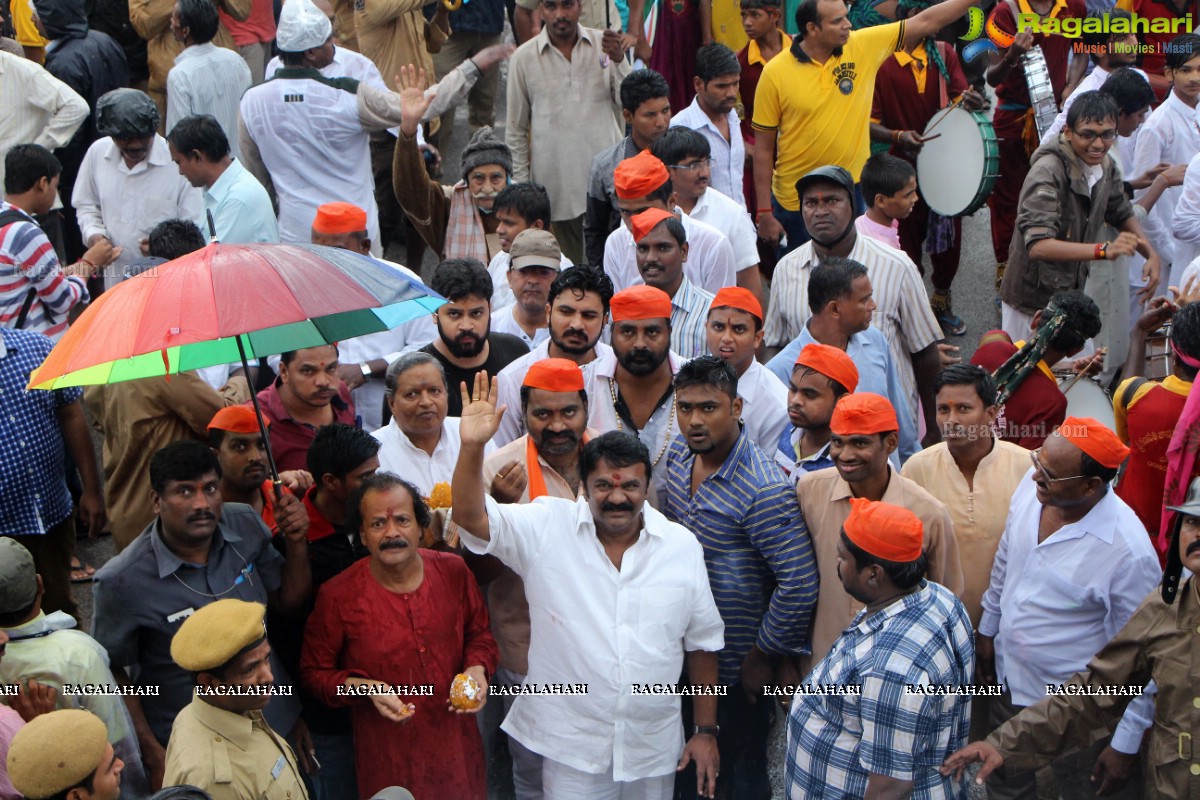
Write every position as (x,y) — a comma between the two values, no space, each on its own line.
(761,566)
(689,320)
(710,264)
(835,741)
(902,312)
(27,260)
(207,79)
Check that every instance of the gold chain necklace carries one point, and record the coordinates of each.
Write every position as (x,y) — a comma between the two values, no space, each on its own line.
(612,390)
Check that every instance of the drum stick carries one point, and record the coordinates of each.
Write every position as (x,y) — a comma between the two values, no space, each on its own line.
(944,113)
(1098,355)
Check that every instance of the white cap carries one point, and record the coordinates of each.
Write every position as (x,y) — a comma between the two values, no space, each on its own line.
(301,27)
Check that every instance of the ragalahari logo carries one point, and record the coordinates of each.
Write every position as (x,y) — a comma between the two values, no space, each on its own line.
(997,39)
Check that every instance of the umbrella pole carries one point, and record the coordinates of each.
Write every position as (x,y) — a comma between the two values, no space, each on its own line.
(262,425)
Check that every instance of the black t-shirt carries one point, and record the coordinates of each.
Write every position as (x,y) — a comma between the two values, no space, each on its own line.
(504,348)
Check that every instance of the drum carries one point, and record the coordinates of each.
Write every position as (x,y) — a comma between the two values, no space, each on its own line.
(1158,354)
(1086,398)
(956,170)
(1041,91)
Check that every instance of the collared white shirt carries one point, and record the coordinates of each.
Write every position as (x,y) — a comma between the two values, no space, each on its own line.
(125,204)
(1052,606)
(207,79)
(512,425)
(37,107)
(1090,83)
(721,212)
(658,433)
(605,627)
(502,293)
(764,406)
(728,156)
(398,454)
(902,314)
(710,263)
(240,207)
(505,321)
(1170,134)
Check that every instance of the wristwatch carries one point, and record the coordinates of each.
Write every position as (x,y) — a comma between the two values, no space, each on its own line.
(711,730)
(366,369)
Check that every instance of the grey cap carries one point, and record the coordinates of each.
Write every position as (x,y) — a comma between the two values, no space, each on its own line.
(18,576)
(393,793)
(1191,504)
(826,174)
(126,114)
(534,247)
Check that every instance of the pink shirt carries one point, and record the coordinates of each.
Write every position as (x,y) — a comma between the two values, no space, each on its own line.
(888,234)
(258,27)
(10,723)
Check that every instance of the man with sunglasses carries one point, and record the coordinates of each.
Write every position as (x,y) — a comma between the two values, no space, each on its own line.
(1073,565)
(1073,188)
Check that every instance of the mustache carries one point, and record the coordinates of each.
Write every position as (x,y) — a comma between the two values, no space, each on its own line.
(1193,547)
(612,507)
(394,544)
(485,195)
(202,516)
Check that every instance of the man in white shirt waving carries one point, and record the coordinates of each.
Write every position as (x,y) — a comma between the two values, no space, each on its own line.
(617,596)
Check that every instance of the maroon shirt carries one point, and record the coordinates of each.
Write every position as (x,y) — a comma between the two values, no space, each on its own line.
(1014,90)
(1036,408)
(898,104)
(290,439)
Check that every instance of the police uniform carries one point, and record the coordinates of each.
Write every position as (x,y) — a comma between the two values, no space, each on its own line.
(229,755)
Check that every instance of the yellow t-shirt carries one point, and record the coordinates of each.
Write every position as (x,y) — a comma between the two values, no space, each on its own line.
(727,24)
(22,19)
(821,112)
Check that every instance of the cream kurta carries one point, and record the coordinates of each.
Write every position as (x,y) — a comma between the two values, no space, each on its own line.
(978,512)
(506,594)
(825,501)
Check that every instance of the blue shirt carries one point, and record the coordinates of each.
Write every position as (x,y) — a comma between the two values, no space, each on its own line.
(876,373)
(241,208)
(875,722)
(32,471)
(761,566)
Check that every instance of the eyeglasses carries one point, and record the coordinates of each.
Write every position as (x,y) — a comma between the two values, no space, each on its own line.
(1035,457)
(703,163)
(1091,136)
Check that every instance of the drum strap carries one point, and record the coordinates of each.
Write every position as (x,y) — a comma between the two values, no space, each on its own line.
(1131,391)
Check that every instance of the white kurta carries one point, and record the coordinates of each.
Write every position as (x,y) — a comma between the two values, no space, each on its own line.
(312,142)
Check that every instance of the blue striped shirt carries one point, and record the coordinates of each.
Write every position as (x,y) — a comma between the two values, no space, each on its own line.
(874,722)
(689,320)
(761,566)
(27,260)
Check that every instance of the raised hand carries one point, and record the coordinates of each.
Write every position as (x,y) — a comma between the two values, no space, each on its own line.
(492,55)
(480,418)
(414,100)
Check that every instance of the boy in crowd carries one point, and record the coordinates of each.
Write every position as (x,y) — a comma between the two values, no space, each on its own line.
(518,206)
(889,185)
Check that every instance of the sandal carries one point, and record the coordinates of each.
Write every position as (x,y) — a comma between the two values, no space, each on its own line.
(81,572)
(951,323)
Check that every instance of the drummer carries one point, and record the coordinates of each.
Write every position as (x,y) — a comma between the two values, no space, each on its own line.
(911,88)
(1057,234)
(1031,402)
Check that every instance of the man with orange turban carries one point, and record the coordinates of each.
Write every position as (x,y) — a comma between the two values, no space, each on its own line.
(542,463)
(863,434)
(632,389)
(734,332)
(641,183)
(1073,565)
(662,254)
(898,659)
(821,376)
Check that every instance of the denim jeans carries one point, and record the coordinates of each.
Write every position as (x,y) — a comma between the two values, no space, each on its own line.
(337,778)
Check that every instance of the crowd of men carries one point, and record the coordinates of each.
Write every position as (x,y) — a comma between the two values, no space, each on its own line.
(684,454)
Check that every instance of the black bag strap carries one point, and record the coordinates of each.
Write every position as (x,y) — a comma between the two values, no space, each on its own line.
(1131,391)
(9,217)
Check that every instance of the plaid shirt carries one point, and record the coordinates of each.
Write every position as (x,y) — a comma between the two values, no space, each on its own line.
(835,741)
(32,472)
(760,561)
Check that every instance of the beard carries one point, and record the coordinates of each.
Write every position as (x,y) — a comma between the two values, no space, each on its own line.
(465,345)
(571,349)
(641,362)
(558,444)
